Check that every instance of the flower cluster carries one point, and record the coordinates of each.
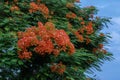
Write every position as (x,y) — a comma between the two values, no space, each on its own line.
(71,15)
(58,68)
(77,1)
(85,29)
(39,7)
(99,49)
(70,5)
(88,40)
(45,39)
(14,8)
(79,36)
(89,28)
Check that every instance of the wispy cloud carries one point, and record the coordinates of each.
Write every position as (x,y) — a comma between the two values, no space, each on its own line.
(101,6)
(116,20)
(115,37)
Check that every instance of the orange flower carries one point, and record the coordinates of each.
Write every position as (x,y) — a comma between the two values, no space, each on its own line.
(44,9)
(80,18)
(79,36)
(15,1)
(38,1)
(14,8)
(61,70)
(33,7)
(70,26)
(100,46)
(63,41)
(53,68)
(56,52)
(101,35)
(44,41)
(71,49)
(39,7)
(69,5)
(89,28)
(32,29)
(77,1)
(50,26)
(82,22)
(58,68)
(81,30)
(20,35)
(26,42)
(95,50)
(44,47)
(88,40)
(61,38)
(25,55)
(104,51)
(71,15)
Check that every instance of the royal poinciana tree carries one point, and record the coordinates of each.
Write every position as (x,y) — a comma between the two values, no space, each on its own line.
(50,40)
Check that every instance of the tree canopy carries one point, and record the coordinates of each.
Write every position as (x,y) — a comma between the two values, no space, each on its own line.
(50,40)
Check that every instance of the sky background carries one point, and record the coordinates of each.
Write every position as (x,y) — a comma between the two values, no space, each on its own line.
(109,8)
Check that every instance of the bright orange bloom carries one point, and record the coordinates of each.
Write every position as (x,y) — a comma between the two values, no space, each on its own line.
(25,42)
(44,47)
(61,38)
(38,1)
(44,39)
(25,55)
(102,34)
(14,8)
(70,26)
(88,40)
(43,8)
(33,7)
(50,26)
(82,22)
(63,41)
(104,51)
(53,68)
(71,49)
(80,18)
(79,36)
(71,15)
(89,28)
(58,68)
(33,30)
(15,1)
(56,52)
(77,1)
(95,50)
(81,30)
(39,7)
(100,46)
(69,5)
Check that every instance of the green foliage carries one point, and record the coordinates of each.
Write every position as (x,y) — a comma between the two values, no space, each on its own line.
(13,20)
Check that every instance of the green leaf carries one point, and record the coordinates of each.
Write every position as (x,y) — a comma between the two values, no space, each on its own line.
(20,62)
(13,60)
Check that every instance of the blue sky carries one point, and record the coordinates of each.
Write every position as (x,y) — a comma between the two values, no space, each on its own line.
(109,8)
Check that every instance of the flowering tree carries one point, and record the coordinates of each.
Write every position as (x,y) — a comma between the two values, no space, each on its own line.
(50,40)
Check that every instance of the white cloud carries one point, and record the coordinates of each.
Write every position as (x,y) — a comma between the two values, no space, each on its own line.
(116,20)
(101,6)
(115,37)
(118,59)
